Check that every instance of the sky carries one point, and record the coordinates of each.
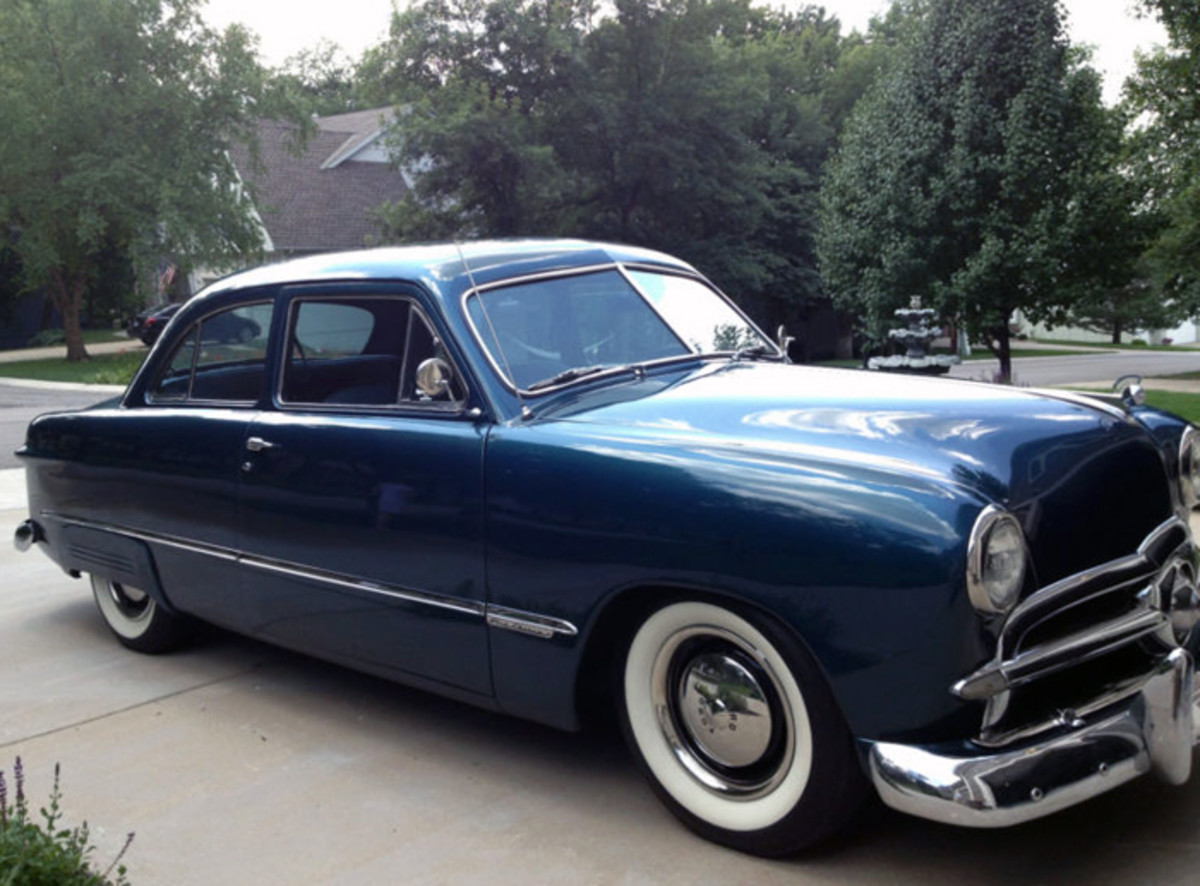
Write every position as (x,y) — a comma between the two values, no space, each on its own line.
(285,27)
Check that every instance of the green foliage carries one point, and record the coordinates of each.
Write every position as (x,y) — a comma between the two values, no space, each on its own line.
(47,338)
(43,853)
(694,126)
(117,119)
(322,80)
(1164,97)
(968,174)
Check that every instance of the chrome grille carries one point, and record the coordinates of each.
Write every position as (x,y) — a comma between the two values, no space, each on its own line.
(1088,641)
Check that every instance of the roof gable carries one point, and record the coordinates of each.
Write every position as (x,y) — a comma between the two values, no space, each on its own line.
(321,198)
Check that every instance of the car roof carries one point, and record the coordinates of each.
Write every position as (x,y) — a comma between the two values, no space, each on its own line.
(446,269)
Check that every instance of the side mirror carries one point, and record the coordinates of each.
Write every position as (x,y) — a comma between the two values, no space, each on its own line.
(785,342)
(433,378)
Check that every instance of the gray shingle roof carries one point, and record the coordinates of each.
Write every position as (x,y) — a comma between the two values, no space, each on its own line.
(307,208)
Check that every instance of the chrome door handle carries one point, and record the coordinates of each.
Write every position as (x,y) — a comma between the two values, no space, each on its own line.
(258,444)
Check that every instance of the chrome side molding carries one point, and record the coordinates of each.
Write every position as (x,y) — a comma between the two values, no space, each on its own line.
(529,624)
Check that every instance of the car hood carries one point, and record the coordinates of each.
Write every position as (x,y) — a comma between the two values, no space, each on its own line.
(1046,453)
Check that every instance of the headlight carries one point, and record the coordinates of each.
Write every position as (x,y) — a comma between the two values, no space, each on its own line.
(995,561)
(1189,467)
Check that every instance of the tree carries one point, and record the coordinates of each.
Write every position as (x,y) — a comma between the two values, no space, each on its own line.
(966,173)
(694,126)
(322,79)
(1165,97)
(115,117)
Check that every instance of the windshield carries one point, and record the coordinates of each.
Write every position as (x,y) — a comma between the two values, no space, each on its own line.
(538,331)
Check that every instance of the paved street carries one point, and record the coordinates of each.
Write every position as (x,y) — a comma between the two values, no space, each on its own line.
(236,763)
(1103,368)
(22,401)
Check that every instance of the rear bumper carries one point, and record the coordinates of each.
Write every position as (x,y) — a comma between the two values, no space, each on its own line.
(1153,731)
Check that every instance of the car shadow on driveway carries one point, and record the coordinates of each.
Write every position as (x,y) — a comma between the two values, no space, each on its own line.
(299,770)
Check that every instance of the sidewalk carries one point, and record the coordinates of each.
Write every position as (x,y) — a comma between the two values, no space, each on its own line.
(60,351)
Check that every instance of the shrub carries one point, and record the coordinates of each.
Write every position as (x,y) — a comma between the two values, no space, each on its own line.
(42,853)
(48,337)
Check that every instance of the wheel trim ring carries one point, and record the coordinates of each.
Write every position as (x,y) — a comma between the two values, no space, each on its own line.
(675,734)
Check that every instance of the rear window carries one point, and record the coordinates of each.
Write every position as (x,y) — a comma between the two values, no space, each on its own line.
(221,358)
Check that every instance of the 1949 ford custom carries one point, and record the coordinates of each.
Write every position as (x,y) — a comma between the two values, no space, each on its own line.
(542,476)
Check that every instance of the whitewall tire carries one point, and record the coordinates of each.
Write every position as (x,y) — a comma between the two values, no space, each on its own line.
(732,722)
(138,622)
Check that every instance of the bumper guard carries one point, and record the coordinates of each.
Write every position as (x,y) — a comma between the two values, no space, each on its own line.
(1152,731)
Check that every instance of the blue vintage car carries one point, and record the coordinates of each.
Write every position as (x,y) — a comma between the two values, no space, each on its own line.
(557,479)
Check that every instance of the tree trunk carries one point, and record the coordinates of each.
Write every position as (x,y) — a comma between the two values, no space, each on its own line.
(66,291)
(1002,348)
(1116,336)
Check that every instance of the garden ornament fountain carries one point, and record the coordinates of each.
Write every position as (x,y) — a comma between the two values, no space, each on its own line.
(914,337)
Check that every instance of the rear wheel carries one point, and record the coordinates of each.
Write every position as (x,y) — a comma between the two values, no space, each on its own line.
(136,619)
(736,729)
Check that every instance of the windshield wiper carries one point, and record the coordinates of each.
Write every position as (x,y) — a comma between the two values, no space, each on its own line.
(753,352)
(569,375)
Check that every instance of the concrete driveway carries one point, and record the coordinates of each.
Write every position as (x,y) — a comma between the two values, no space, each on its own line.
(236,763)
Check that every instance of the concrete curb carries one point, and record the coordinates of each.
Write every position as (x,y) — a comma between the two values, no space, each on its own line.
(61,385)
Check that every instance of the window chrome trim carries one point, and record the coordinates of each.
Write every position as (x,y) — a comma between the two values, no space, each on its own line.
(543,627)
(621,268)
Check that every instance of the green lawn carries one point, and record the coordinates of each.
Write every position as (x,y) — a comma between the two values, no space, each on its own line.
(1109,346)
(1184,405)
(102,369)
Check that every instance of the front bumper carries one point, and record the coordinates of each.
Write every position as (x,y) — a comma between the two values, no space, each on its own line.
(1154,730)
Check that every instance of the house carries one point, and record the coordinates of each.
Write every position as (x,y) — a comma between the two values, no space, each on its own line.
(320,198)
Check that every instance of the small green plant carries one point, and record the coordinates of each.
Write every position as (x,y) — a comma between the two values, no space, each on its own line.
(34,853)
(48,337)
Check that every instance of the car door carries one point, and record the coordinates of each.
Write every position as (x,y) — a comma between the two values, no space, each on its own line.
(166,468)
(361,500)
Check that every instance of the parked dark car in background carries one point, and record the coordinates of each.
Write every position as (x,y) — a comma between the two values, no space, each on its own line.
(554,478)
(149,324)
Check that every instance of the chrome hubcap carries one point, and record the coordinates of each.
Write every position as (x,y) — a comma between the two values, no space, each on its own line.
(132,602)
(722,712)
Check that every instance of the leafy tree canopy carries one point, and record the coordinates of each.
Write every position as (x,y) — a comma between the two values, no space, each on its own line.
(694,126)
(968,174)
(115,117)
(1165,98)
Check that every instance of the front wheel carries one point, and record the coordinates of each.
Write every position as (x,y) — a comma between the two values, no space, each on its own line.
(138,622)
(736,729)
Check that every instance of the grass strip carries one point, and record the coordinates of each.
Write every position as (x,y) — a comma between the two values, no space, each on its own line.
(102,369)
